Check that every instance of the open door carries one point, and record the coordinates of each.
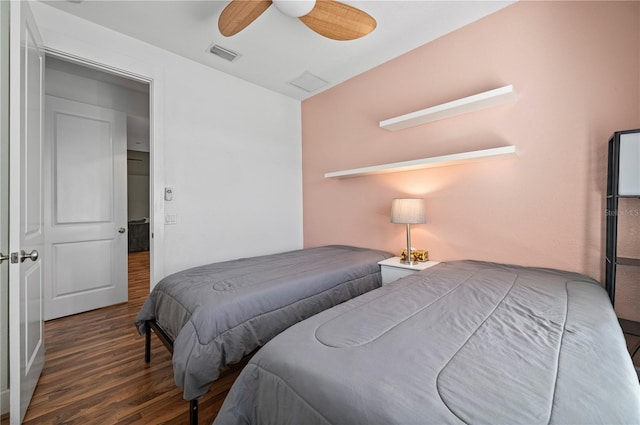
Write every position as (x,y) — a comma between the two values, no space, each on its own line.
(4,207)
(26,231)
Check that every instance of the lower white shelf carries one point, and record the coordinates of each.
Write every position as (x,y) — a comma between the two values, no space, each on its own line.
(417,164)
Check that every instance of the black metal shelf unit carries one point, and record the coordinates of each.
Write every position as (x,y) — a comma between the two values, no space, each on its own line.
(612,261)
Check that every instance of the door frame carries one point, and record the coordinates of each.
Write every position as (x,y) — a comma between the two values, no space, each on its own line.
(124,66)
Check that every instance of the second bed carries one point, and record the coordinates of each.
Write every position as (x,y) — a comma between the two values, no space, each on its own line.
(212,316)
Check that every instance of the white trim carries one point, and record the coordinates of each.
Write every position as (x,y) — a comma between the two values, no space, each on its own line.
(418,164)
(99,66)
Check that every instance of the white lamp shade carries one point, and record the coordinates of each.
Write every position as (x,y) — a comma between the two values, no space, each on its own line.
(408,211)
(295,8)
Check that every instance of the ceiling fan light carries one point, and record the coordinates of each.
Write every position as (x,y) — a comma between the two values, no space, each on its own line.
(295,8)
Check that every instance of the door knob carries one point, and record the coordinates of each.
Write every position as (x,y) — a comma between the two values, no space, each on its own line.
(33,256)
(4,257)
(122,230)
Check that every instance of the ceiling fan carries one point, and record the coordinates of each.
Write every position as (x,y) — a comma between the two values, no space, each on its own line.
(329,18)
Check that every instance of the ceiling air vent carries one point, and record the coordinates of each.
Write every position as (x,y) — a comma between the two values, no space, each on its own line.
(309,82)
(226,54)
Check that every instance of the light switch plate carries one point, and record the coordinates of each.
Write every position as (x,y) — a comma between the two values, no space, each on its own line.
(170,219)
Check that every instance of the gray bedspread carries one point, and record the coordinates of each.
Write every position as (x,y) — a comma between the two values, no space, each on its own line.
(461,342)
(218,313)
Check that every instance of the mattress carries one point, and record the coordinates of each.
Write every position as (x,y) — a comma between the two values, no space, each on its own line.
(218,313)
(461,342)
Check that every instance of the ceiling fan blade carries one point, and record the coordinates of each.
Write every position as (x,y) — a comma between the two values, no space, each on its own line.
(239,14)
(338,21)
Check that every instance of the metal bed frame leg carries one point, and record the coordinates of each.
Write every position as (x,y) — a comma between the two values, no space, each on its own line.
(193,412)
(147,342)
(168,342)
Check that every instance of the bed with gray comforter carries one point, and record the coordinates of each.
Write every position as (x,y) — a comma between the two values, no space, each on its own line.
(461,342)
(218,313)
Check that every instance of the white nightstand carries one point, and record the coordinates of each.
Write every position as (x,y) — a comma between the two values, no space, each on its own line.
(392,269)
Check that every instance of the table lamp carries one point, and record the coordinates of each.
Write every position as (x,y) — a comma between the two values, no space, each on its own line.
(408,211)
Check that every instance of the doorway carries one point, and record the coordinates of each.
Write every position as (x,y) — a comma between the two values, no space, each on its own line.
(87,265)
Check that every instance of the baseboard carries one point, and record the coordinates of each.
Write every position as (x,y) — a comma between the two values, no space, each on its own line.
(4,402)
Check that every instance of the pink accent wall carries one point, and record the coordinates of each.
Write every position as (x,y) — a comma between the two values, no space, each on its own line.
(576,68)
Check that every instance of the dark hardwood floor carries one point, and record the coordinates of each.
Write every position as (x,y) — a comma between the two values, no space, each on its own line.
(95,371)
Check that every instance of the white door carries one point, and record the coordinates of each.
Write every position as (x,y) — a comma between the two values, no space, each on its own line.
(85,202)
(26,232)
(4,207)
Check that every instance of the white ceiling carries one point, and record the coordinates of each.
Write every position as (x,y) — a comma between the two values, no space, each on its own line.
(276,49)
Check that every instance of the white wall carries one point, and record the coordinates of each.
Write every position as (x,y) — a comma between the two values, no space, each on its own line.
(137,197)
(137,185)
(230,150)
(234,163)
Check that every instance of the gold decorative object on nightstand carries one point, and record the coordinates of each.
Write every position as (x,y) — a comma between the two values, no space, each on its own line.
(420,255)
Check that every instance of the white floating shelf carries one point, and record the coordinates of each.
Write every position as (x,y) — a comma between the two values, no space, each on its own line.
(418,164)
(451,109)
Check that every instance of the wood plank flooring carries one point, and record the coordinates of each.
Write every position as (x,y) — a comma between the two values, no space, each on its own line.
(95,371)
